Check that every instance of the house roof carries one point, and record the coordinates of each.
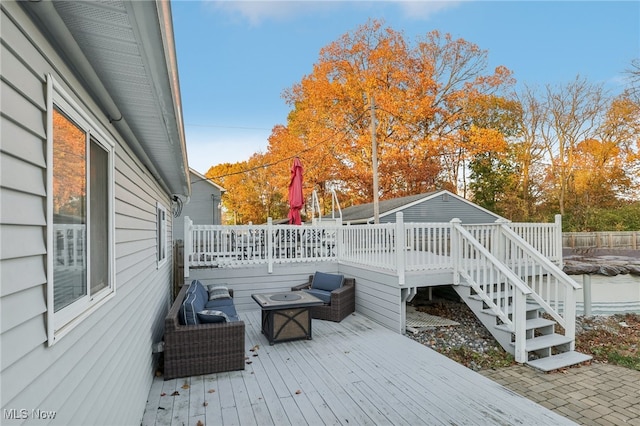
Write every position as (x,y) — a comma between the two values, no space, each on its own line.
(202,178)
(363,213)
(124,53)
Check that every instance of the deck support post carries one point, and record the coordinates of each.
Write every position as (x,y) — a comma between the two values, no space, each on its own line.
(586,289)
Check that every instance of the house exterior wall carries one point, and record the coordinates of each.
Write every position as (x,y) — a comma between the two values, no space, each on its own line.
(202,208)
(443,208)
(101,371)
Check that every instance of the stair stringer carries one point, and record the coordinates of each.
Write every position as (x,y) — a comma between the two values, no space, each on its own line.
(503,337)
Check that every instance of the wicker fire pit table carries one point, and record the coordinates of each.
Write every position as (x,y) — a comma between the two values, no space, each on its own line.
(286,316)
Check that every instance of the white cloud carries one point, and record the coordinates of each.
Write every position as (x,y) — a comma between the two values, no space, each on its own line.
(423,10)
(257,11)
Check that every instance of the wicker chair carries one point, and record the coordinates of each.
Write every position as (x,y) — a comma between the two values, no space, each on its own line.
(192,350)
(343,301)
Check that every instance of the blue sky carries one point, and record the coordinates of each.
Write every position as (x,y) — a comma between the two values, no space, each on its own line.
(235,58)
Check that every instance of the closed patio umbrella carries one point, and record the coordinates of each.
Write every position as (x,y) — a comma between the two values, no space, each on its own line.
(296,198)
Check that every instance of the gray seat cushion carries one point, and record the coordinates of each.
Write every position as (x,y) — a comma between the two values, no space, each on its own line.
(323,295)
(230,310)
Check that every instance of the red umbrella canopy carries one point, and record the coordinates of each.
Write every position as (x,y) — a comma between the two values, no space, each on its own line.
(296,198)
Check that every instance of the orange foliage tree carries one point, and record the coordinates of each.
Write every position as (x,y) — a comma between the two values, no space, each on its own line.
(254,191)
(426,101)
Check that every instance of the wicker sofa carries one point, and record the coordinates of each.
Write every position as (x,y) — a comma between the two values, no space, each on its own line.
(339,303)
(192,350)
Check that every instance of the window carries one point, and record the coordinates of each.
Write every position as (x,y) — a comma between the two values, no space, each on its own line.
(80,211)
(161,233)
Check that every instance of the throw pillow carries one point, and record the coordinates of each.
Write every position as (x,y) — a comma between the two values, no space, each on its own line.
(209,316)
(218,292)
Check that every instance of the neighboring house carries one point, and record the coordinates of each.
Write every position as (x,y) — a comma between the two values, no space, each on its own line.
(204,206)
(93,157)
(433,207)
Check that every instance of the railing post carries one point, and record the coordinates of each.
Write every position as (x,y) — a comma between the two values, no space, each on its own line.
(557,256)
(401,248)
(269,245)
(586,289)
(188,247)
(520,325)
(455,249)
(338,250)
(499,243)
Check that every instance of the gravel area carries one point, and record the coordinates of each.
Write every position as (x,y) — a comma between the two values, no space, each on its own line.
(470,332)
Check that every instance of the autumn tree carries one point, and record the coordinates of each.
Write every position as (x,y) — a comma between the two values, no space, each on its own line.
(494,121)
(598,174)
(571,116)
(620,128)
(527,156)
(423,99)
(252,194)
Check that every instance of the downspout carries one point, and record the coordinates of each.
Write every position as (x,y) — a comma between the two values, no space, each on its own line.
(48,16)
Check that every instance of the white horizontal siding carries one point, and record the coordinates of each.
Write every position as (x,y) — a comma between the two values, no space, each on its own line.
(256,279)
(112,346)
(21,273)
(377,293)
(19,142)
(377,296)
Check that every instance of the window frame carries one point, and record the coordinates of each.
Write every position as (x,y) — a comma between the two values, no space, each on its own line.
(162,229)
(62,322)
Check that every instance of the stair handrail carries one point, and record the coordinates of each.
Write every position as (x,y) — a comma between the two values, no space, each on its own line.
(517,324)
(538,256)
(485,252)
(568,320)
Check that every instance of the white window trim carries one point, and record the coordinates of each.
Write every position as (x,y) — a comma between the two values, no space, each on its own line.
(163,233)
(66,319)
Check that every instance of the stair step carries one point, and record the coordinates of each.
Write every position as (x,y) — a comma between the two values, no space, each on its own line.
(554,362)
(509,309)
(547,341)
(531,324)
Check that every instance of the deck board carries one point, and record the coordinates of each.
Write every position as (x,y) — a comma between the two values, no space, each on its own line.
(352,373)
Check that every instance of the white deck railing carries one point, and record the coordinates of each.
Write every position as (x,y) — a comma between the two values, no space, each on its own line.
(503,262)
(397,247)
(241,245)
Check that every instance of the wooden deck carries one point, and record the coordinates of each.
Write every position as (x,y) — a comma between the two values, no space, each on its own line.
(352,373)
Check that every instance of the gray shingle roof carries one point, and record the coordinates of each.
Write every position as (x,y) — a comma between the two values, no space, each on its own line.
(364,212)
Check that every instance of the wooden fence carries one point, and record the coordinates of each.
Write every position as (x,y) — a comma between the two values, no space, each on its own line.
(606,239)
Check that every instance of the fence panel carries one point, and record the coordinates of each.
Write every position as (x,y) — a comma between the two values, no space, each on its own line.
(602,239)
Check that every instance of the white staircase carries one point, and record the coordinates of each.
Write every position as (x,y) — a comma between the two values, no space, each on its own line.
(544,349)
(525,301)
